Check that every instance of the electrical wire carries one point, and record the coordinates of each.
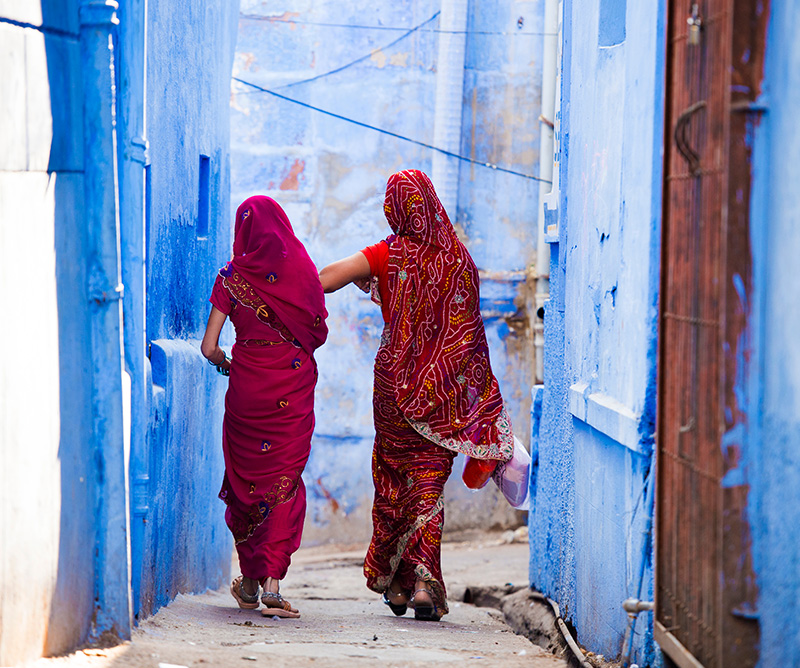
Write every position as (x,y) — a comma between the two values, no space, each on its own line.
(47,30)
(347,119)
(271,19)
(360,59)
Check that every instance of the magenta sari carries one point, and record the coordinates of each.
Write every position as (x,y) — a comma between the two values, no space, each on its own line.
(272,294)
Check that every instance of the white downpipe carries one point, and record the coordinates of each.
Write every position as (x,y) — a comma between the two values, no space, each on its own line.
(449,101)
(546,160)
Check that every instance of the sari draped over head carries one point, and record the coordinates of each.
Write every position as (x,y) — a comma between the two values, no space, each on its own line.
(268,255)
(272,293)
(439,358)
(434,393)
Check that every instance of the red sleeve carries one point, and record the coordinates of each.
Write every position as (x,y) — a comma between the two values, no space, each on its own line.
(377,255)
(220,297)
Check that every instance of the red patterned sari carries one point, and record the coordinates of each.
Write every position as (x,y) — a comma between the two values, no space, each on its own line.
(272,294)
(434,393)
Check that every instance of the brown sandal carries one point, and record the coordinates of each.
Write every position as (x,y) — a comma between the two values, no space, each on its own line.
(276,605)
(245,600)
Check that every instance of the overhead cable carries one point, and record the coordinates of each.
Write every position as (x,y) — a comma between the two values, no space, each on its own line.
(396,135)
(275,19)
(362,58)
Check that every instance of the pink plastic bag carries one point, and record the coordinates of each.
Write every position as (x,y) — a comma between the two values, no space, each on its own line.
(511,477)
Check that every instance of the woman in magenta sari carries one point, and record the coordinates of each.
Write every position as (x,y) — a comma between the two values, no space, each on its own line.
(434,393)
(272,294)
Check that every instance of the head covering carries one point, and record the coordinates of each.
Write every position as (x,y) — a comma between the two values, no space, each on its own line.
(438,355)
(413,210)
(275,263)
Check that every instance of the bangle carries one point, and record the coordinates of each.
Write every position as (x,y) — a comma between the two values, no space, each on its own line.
(224,359)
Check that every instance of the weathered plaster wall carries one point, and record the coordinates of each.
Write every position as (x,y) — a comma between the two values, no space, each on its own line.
(187,545)
(330,176)
(773,399)
(184,545)
(46,469)
(596,433)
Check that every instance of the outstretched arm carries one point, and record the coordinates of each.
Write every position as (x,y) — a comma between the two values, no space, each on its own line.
(210,345)
(338,274)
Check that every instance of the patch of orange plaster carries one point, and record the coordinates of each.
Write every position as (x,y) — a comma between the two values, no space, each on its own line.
(399,59)
(379,58)
(291,182)
(286,16)
(248,60)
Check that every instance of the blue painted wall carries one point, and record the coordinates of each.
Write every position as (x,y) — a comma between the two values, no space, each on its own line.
(330,177)
(75,400)
(590,511)
(183,544)
(62,450)
(773,375)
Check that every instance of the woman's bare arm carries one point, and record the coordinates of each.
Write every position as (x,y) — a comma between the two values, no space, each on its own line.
(338,274)
(210,345)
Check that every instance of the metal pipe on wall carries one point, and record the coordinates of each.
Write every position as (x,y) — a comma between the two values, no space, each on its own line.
(132,158)
(546,161)
(104,292)
(449,101)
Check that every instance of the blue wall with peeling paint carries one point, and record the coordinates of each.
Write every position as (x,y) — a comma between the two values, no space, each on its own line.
(590,519)
(180,541)
(330,176)
(773,382)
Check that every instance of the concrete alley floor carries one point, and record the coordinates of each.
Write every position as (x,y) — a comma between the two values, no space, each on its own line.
(342,623)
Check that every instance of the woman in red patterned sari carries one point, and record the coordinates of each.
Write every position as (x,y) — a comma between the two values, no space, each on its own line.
(272,294)
(434,393)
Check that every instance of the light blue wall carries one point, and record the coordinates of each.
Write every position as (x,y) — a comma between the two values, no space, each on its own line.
(502,103)
(774,367)
(330,177)
(590,520)
(497,211)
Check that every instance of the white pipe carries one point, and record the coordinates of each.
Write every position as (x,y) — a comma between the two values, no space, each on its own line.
(449,101)
(550,68)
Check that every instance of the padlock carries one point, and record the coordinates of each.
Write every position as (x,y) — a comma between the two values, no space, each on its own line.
(695,22)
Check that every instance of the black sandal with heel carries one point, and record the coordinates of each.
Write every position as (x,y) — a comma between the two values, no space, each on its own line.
(425,612)
(398,609)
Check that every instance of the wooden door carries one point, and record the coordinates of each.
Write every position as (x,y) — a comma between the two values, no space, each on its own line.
(705,586)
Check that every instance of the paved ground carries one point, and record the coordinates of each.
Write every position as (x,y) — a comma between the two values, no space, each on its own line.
(342,623)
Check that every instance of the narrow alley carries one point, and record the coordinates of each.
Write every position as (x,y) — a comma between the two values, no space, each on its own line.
(342,623)
(287,274)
